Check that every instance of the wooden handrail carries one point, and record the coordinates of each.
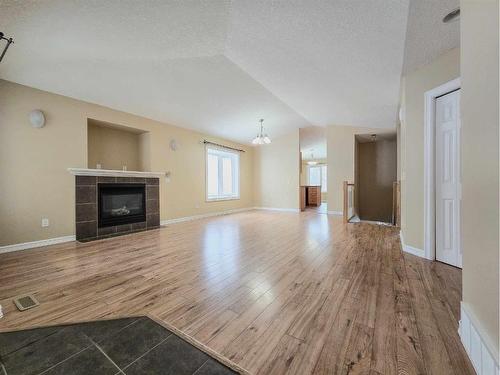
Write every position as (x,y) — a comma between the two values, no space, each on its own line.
(396,203)
(348,211)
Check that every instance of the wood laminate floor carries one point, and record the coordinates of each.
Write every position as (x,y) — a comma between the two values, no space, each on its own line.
(274,292)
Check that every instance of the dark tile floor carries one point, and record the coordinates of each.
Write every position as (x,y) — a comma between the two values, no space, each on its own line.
(121,346)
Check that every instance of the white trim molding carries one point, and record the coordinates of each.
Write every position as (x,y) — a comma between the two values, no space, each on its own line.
(277,209)
(338,213)
(430,96)
(410,249)
(203,216)
(477,347)
(35,244)
(113,173)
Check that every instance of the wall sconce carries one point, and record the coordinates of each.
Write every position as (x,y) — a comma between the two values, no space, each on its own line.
(37,119)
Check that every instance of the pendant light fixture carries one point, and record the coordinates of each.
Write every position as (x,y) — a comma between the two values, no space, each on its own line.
(312,162)
(261,138)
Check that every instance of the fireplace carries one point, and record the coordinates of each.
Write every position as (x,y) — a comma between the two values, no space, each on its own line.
(120,203)
(112,203)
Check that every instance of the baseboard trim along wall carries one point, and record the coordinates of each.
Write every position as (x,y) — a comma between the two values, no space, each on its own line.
(410,249)
(57,240)
(475,345)
(203,216)
(338,213)
(277,209)
(33,244)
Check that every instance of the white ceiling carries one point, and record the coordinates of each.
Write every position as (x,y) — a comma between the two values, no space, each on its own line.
(217,66)
(428,36)
(334,62)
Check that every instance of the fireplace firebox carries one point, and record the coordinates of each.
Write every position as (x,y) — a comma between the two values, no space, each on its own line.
(120,203)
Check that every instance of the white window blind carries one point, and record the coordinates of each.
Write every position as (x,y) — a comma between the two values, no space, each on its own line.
(317,176)
(223,174)
(323,179)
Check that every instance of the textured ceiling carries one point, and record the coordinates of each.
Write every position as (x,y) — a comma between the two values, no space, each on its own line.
(428,36)
(334,62)
(216,66)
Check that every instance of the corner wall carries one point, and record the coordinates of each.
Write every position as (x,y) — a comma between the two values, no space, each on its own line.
(277,170)
(480,168)
(415,84)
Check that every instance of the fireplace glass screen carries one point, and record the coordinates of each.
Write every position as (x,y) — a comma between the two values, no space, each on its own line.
(121,204)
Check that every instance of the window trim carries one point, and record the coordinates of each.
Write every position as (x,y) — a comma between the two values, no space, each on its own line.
(237,179)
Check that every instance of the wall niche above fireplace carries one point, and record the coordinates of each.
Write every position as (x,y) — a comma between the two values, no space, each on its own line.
(110,205)
(116,147)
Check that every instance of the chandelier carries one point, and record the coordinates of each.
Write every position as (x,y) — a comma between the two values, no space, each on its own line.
(261,138)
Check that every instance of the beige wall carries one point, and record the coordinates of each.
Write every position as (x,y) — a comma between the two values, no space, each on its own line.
(340,159)
(277,169)
(415,84)
(113,148)
(480,166)
(33,163)
(376,166)
(303,173)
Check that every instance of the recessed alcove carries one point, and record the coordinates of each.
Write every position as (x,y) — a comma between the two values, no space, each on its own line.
(113,146)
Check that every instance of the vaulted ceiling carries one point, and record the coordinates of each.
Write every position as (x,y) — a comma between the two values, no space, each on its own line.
(216,66)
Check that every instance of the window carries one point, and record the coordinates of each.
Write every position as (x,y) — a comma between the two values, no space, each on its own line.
(317,176)
(223,174)
(323,179)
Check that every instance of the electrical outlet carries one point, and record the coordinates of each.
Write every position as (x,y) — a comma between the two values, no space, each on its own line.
(45,222)
(197,206)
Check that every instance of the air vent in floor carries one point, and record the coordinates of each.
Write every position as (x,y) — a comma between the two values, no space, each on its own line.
(25,302)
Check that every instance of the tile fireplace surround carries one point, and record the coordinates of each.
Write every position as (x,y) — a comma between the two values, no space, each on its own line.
(86,201)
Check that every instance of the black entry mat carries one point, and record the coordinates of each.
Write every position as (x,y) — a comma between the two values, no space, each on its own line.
(121,346)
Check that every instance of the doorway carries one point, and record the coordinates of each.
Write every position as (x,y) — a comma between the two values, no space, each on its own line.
(313,169)
(448,249)
(375,175)
(442,178)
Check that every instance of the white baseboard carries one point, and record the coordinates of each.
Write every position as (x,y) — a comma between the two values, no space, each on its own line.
(202,216)
(34,244)
(338,213)
(277,209)
(477,348)
(410,249)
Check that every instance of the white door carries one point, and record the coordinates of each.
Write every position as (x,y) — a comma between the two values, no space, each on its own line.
(448,179)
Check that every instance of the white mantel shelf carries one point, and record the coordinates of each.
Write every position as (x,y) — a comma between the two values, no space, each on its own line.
(113,173)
